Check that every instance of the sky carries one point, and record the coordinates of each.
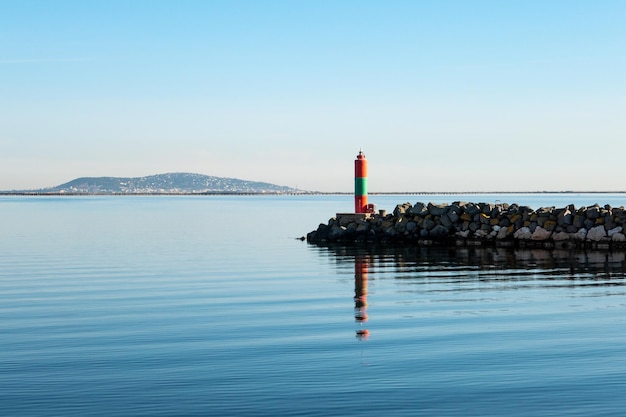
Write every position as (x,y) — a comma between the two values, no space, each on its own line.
(442,96)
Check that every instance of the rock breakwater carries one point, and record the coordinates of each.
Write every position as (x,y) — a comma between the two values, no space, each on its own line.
(481,224)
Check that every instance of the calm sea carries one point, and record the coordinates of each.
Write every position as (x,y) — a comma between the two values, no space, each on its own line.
(210,306)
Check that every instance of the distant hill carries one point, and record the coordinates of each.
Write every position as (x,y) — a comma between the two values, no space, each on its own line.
(172,183)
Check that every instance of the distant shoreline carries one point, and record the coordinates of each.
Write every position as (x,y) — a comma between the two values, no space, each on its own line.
(304,193)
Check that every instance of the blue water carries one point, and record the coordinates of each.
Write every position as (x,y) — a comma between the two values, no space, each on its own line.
(209,306)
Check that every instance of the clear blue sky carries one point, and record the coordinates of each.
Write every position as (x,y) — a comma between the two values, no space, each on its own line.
(441,95)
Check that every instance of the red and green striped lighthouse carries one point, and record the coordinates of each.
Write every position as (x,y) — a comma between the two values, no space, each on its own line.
(360,183)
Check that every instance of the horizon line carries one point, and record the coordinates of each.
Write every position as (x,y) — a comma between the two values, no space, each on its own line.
(293,192)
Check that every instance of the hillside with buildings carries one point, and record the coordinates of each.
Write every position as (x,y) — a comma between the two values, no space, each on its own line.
(171,183)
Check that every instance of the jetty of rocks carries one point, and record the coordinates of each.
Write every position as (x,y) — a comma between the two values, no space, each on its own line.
(481,224)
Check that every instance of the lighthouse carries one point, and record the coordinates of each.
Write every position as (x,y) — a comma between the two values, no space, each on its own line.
(362,210)
(360,184)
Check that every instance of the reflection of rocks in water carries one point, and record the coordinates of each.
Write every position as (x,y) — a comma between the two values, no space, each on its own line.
(547,262)
(513,268)
(539,258)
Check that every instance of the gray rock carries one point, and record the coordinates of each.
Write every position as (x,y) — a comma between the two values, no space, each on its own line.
(580,235)
(503,233)
(437,209)
(457,207)
(471,209)
(438,231)
(481,234)
(596,233)
(486,208)
(578,221)
(336,232)
(401,209)
(618,237)
(428,224)
(453,216)
(541,234)
(400,224)
(609,223)
(593,212)
(561,236)
(523,233)
(445,221)
(565,218)
(390,231)
(419,209)
(614,231)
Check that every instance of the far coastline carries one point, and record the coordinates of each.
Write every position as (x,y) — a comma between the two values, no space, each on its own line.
(294,193)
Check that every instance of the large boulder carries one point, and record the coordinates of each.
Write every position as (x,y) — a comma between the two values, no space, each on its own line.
(428,224)
(471,209)
(549,225)
(523,233)
(411,227)
(504,232)
(614,231)
(565,217)
(336,232)
(593,212)
(560,236)
(445,220)
(418,209)
(437,209)
(618,237)
(578,221)
(439,232)
(363,227)
(401,209)
(596,233)
(541,234)
(580,235)
(453,216)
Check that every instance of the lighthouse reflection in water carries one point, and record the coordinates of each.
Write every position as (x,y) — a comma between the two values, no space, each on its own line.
(360,295)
